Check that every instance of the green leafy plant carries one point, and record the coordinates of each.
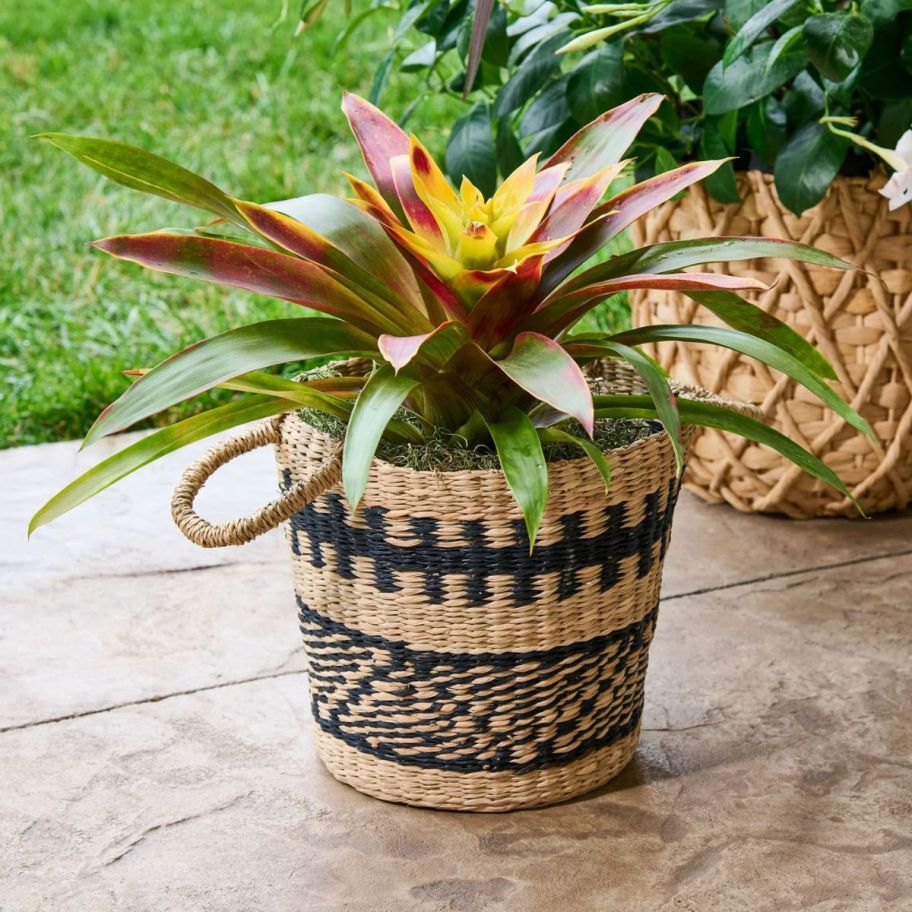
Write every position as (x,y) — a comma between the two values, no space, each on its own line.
(464,304)
(744,78)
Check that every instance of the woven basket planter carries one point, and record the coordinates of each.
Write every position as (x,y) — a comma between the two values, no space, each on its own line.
(448,666)
(863,328)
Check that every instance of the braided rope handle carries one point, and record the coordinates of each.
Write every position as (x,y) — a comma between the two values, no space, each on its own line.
(240,531)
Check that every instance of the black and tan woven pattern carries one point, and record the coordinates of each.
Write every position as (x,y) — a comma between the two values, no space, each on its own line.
(448,665)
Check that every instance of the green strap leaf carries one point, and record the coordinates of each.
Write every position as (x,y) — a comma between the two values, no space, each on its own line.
(709,414)
(157,444)
(656,383)
(523,462)
(238,351)
(673,256)
(556,435)
(753,348)
(739,314)
(137,169)
(382,395)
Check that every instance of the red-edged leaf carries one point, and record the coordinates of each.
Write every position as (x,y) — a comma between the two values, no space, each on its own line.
(338,234)
(544,370)
(503,306)
(436,347)
(623,209)
(380,140)
(605,140)
(672,256)
(560,311)
(419,216)
(571,207)
(251,268)
(370,200)
(547,181)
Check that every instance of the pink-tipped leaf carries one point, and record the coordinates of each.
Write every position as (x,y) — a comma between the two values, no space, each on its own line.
(380,140)
(604,141)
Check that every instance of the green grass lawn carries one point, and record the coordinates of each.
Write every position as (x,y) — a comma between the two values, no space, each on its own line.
(208,83)
(213,84)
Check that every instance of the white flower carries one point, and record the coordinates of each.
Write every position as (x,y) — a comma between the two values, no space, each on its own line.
(898,189)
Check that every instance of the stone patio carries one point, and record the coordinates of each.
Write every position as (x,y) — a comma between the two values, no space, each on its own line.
(156,755)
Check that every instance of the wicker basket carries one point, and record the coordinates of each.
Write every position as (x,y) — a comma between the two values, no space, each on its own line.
(863,328)
(448,666)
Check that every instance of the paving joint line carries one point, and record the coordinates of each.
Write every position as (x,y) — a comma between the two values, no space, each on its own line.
(140,701)
(850,562)
(158,698)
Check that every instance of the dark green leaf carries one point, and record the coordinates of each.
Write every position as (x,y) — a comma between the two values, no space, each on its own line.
(882,75)
(530,75)
(753,347)
(523,461)
(547,122)
(737,12)
(748,78)
(690,56)
(157,444)
(708,414)
(882,12)
(718,141)
(739,314)
(804,101)
(509,153)
(470,151)
(785,42)
(497,43)
(895,119)
(378,401)
(766,128)
(837,42)
(807,165)
(754,28)
(596,84)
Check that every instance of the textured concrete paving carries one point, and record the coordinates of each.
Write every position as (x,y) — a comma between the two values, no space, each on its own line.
(155,750)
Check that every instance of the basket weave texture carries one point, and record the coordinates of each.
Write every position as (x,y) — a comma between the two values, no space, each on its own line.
(863,328)
(448,666)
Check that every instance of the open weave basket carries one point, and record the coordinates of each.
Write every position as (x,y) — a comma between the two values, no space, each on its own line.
(863,328)
(450,667)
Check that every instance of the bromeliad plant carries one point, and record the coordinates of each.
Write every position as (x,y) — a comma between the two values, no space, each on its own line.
(465,306)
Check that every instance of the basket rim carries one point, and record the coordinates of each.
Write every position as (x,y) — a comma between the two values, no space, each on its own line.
(658,437)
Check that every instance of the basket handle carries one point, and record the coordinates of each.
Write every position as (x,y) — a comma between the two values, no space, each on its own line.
(240,531)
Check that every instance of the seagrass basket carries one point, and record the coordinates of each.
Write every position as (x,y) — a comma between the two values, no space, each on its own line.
(861,324)
(449,667)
